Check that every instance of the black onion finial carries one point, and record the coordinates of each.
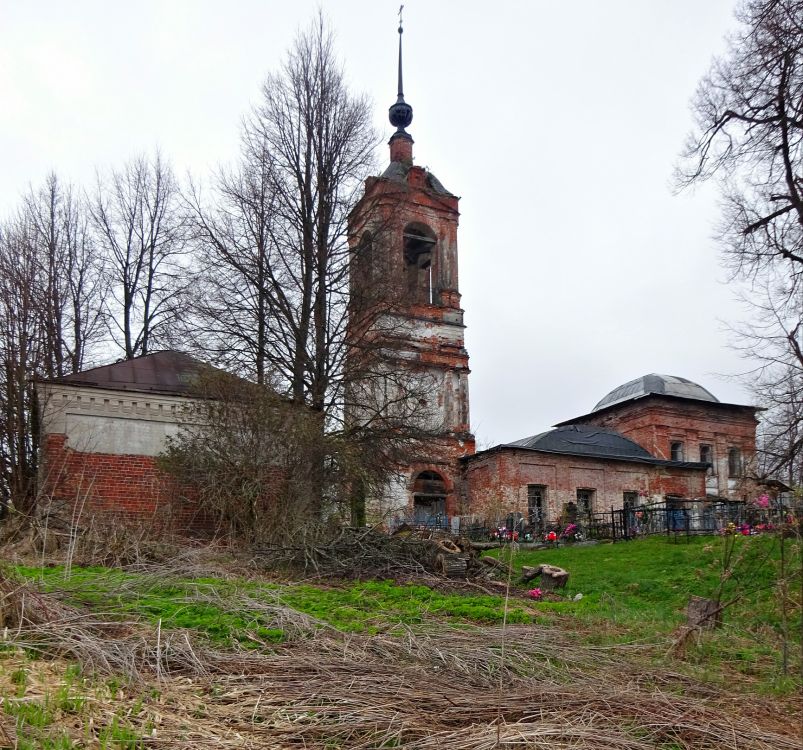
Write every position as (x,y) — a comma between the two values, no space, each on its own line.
(400,114)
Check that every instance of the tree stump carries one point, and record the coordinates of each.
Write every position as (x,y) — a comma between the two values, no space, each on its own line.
(703,613)
(552,577)
(451,566)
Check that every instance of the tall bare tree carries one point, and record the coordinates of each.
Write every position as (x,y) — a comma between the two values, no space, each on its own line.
(276,298)
(237,287)
(20,360)
(71,283)
(321,142)
(140,227)
(51,297)
(749,136)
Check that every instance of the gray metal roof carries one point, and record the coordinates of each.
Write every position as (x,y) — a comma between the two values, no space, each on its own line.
(663,385)
(166,372)
(589,441)
(584,440)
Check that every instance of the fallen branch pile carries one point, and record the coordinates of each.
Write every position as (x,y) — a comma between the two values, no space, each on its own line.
(368,552)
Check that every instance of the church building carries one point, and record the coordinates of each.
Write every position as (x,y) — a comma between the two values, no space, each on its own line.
(655,438)
(658,437)
(403,235)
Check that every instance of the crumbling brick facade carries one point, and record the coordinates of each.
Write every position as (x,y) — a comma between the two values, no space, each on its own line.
(497,483)
(653,439)
(722,434)
(403,237)
(125,487)
(102,430)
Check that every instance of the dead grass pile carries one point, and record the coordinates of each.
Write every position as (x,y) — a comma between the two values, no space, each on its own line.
(429,688)
(100,642)
(51,534)
(440,690)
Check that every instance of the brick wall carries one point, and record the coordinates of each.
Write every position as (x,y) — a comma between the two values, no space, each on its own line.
(126,487)
(497,480)
(656,422)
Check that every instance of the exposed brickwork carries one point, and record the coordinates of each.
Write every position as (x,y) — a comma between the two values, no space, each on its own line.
(655,422)
(430,338)
(401,148)
(496,482)
(128,487)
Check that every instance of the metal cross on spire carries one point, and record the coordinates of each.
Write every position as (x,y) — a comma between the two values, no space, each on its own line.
(401,31)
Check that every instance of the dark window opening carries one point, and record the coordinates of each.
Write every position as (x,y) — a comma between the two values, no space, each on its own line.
(676,451)
(734,462)
(585,502)
(629,499)
(536,506)
(419,247)
(429,499)
(365,258)
(707,457)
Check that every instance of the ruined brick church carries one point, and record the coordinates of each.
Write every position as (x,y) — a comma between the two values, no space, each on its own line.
(657,437)
(654,438)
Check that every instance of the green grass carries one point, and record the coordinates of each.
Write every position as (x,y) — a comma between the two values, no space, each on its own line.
(370,606)
(36,722)
(632,592)
(651,580)
(212,607)
(638,590)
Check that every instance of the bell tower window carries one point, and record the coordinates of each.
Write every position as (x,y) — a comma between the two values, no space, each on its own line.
(419,249)
(365,258)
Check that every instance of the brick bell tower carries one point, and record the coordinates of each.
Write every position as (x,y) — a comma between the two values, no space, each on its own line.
(403,241)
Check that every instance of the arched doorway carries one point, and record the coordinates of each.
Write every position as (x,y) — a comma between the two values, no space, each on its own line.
(429,499)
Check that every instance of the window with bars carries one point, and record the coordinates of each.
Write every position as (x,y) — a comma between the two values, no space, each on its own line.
(536,506)
(585,501)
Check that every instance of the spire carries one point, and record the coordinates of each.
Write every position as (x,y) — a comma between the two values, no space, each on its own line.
(400,114)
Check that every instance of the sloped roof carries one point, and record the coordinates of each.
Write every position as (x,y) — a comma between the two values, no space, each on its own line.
(583,440)
(662,385)
(397,171)
(165,372)
(590,441)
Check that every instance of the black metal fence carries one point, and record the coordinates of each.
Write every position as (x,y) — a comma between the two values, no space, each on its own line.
(673,518)
(681,518)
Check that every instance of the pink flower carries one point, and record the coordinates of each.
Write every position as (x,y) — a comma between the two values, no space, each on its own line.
(535,594)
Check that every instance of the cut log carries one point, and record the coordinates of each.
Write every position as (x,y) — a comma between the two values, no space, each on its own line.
(528,572)
(448,546)
(451,566)
(703,613)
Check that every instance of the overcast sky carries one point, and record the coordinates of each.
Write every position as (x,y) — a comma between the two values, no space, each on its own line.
(557,122)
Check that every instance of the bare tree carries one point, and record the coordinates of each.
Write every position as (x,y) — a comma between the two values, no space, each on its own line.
(251,459)
(140,227)
(237,287)
(749,135)
(321,143)
(20,360)
(51,294)
(276,300)
(71,285)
